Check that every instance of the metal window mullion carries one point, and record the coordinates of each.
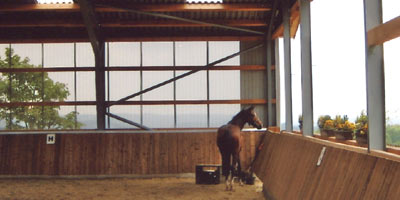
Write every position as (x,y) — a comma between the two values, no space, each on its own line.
(10,87)
(42,114)
(141,82)
(75,89)
(174,85)
(375,78)
(108,84)
(208,84)
(287,66)
(277,85)
(306,67)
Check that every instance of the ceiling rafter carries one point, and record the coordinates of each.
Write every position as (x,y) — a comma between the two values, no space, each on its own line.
(142,7)
(92,25)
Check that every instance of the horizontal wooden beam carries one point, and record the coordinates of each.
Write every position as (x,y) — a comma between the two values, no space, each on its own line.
(124,23)
(116,38)
(384,32)
(143,7)
(161,102)
(131,68)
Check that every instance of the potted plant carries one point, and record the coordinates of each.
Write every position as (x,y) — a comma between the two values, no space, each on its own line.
(344,128)
(361,130)
(326,130)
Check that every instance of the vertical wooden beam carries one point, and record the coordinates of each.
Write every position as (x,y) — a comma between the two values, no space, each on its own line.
(288,66)
(306,67)
(277,84)
(375,79)
(93,29)
(271,115)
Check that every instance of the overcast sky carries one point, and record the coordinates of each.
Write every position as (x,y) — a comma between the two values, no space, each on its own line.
(338,59)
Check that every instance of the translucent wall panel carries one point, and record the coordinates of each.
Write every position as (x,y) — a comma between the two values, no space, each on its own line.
(59,83)
(190,116)
(222,114)
(152,78)
(87,116)
(84,55)
(191,53)
(31,52)
(85,86)
(129,112)
(158,116)
(220,50)
(123,84)
(59,55)
(224,85)
(157,53)
(3,48)
(124,53)
(193,87)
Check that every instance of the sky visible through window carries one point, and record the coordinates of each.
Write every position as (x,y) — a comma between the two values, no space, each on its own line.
(338,62)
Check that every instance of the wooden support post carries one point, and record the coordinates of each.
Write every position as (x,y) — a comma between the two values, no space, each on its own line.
(288,66)
(375,79)
(93,29)
(306,68)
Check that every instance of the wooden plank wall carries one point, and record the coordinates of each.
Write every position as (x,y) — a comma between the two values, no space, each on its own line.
(287,167)
(113,154)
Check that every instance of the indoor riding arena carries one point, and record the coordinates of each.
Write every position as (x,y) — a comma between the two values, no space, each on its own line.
(198,100)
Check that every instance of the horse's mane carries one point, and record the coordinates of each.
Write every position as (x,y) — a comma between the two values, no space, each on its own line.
(237,116)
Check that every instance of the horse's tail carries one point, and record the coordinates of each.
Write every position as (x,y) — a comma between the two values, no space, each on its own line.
(226,162)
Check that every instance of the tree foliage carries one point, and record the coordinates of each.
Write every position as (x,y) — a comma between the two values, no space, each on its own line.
(32,87)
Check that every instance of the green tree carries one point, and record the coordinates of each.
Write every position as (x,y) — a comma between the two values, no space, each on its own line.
(32,87)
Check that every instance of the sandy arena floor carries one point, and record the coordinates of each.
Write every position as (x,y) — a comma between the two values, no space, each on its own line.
(123,188)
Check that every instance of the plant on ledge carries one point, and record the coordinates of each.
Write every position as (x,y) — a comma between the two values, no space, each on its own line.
(326,128)
(361,130)
(344,128)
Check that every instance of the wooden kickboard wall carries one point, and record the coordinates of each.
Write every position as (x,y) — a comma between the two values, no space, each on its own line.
(287,165)
(114,154)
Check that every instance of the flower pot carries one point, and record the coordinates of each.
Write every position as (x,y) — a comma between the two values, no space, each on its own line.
(327,133)
(361,139)
(344,135)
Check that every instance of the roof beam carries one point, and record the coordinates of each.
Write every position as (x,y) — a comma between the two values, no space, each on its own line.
(126,23)
(92,26)
(142,7)
(384,32)
(165,16)
(294,22)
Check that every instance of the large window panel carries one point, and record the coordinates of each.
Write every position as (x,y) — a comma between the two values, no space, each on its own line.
(158,116)
(31,52)
(123,84)
(85,86)
(84,55)
(59,55)
(224,85)
(155,77)
(59,86)
(191,116)
(191,53)
(193,87)
(129,112)
(124,54)
(218,50)
(87,116)
(158,54)
(221,114)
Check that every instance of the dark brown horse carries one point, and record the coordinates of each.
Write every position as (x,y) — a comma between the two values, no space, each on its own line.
(230,143)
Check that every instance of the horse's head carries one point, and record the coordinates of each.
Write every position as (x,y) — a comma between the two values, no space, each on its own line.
(251,118)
